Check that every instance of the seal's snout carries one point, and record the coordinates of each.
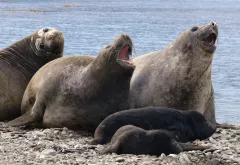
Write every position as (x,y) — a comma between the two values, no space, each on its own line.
(214,27)
(209,36)
(55,34)
(213,24)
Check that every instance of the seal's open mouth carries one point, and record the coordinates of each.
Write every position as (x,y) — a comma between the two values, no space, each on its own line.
(125,55)
(211,39)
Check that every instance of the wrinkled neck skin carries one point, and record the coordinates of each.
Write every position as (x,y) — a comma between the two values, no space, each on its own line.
(23,56)
(105,73)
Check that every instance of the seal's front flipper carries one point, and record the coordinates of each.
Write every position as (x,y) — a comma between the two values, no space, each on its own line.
(33,114)
(25,119)
(112,148)
(190,147)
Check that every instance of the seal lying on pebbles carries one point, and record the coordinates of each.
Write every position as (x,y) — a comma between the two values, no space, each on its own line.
(134,140)
(178,76)
(79,92)
(20,61)
(186,125)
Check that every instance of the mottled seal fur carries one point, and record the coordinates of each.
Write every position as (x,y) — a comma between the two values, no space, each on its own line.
(79,92)
(130,139)
(186,125)
(20,61)
(180,75)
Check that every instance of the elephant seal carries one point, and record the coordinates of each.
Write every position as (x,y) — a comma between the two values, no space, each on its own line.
(180,75)
(130,139)
(20,61)
(79,92)
(186,125)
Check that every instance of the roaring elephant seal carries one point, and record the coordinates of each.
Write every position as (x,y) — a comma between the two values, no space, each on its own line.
(20,61)
(178,76)
(130,139)
(186,125)
(79,92)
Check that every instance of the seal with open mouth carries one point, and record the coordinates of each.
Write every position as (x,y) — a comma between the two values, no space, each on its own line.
(79,92)
(20,61)
(180,75)
(130,139)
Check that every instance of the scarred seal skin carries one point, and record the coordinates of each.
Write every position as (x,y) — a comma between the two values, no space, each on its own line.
(180,75)
(130,139)
(186,125)
(20,61)
(79,92)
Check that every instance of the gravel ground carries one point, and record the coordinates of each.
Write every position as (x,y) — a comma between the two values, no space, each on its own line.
(64,146)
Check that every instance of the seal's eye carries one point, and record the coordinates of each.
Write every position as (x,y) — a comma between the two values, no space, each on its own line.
(194,29)
(45,30)
(41,46)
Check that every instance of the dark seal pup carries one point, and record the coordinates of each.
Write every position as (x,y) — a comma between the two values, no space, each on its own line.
(186,125)
(20,61)
(79,92)
(180,75)
(134,140)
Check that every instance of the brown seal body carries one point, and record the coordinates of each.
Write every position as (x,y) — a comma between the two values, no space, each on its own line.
(79,92)
(130,139)
(20,61)
(186,125)
(178,76)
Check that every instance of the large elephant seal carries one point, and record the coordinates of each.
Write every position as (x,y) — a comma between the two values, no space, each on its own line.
(79,92)
(178,76)
(130,139)
(20,61)
(186,125)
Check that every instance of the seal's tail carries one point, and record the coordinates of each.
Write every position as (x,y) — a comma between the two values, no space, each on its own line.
(190,147)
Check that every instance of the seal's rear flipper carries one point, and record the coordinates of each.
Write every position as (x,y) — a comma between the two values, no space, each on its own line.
(190,147)
(227,126)
(25,119)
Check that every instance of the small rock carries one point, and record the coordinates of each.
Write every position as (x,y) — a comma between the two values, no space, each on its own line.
(215,161)
(174,163)
(56,131)
(208,154)
(186,158)
(80,160)
(228,161)
(120,160)
(163,157)
(51,152)
(173,155)
(212,140)
(217,151)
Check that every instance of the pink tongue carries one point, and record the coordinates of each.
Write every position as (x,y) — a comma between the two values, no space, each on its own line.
(124,52)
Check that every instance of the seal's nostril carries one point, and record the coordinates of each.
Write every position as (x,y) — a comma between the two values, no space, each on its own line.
(45,30)
(213,24)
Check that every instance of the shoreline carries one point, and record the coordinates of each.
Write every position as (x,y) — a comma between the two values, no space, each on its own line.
(64,146)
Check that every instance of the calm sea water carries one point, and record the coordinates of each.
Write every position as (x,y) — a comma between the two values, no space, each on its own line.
(88,25)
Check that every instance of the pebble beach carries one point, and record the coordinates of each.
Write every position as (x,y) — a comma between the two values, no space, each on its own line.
(87,27)
(26,146)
